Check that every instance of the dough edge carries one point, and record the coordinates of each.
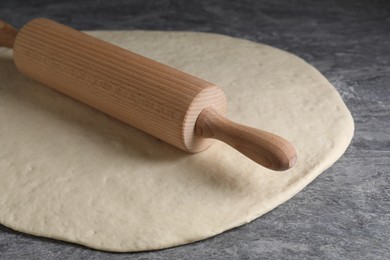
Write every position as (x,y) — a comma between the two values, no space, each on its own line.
(294,187)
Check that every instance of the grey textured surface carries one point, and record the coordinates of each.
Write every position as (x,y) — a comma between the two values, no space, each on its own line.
(344,213)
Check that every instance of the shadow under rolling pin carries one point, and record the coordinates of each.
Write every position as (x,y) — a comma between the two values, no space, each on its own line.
(171,105)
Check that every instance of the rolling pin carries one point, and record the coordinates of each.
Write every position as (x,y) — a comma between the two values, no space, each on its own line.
(173,106)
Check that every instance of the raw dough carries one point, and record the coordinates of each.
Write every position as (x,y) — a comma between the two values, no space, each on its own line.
(72,173)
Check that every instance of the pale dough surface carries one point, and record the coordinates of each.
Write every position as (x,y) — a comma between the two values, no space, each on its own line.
(72,173)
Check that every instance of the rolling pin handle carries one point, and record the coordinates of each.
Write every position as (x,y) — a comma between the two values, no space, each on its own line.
(7,34)
(267,149)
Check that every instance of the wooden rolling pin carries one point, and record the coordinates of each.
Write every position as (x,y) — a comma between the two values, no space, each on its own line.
(171,105)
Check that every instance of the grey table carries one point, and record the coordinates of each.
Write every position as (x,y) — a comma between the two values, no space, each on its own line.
(344,213)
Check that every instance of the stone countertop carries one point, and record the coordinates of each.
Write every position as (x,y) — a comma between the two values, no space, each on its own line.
(345,212)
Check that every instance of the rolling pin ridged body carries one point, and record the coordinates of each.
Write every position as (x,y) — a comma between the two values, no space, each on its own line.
(141,92)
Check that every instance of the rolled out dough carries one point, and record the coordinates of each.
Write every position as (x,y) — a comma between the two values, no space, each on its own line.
(72,173)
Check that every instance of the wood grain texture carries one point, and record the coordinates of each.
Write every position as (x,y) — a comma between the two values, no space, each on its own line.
(148,95)
(263,147)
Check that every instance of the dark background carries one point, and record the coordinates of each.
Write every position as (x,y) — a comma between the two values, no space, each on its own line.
(345,212)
